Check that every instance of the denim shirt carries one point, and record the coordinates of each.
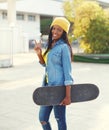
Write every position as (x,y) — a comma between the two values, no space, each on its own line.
(58,66)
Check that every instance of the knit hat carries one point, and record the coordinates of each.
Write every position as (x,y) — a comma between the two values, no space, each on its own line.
(62,22)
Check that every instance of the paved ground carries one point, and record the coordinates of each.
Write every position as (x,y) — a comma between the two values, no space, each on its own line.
(18,112)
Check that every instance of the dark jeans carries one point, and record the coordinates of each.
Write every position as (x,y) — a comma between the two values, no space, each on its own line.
(59,112)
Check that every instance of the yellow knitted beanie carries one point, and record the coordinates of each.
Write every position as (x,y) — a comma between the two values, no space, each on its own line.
(62,22)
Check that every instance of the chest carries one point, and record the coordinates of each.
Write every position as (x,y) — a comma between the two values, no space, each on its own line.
(55,55)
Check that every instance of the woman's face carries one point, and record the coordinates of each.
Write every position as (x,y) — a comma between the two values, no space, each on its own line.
(57,32)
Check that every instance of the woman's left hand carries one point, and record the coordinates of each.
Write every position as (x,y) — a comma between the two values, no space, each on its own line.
(66,101)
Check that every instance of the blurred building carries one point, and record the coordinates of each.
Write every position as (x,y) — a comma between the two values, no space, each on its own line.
(20,22)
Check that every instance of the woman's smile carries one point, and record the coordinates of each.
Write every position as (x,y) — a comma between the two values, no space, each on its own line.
(57,32)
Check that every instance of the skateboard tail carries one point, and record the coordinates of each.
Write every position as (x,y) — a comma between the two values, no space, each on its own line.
(84,93)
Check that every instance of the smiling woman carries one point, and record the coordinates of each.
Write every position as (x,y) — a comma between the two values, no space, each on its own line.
(57,70)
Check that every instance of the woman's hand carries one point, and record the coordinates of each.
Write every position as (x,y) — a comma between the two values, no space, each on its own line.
(66,101)
(38,51)
(37,48)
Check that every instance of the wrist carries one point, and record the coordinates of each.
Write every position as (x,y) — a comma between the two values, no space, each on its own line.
(39,54)
(68,91)
(68,96)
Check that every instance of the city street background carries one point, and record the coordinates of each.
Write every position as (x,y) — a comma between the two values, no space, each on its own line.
(17,83)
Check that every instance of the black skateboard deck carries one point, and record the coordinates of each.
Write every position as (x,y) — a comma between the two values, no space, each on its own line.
(53,95)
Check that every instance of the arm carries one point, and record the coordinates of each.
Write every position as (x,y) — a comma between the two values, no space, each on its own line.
(41,60)
(66,61)
(67,99)
(68,91)
(38,51)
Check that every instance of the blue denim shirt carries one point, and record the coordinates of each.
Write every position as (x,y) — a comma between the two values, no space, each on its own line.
(58,67)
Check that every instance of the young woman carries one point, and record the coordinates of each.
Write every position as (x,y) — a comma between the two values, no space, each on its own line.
(57,61)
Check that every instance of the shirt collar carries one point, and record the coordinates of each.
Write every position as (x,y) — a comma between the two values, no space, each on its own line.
(60,41)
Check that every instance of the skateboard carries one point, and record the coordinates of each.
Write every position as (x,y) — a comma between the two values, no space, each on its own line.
(53,95)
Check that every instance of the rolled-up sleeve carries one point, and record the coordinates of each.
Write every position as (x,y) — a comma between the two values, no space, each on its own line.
(67,67)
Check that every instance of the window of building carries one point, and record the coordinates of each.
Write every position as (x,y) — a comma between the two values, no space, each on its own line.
(4,15)
(20,16)
(31,17)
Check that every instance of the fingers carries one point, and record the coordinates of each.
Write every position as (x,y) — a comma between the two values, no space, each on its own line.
(65,102)
(35,42)
(62,103)
(37,45)
(37,48)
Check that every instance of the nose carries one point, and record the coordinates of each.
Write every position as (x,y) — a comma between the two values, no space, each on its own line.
(55,31)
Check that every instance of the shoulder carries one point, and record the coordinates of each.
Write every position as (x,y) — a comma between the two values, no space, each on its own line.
(65,49)
(63,44)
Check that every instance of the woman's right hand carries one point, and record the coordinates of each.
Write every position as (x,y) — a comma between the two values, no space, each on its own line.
(37,48)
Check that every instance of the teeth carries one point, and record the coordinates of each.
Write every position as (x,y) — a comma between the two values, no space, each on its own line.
(54,35)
